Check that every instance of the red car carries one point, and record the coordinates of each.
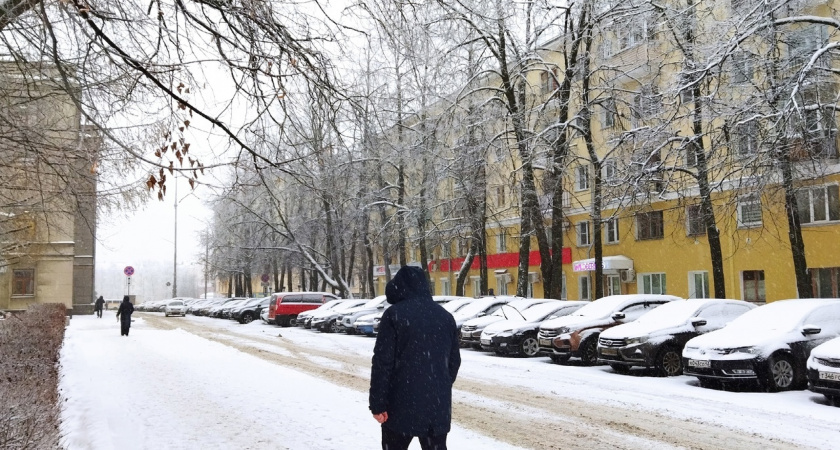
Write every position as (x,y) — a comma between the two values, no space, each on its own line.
(285,306)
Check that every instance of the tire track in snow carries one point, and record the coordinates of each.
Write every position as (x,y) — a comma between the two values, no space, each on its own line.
(511,414)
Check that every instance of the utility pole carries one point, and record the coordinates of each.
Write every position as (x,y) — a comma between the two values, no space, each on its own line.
(206,258)
(175,264)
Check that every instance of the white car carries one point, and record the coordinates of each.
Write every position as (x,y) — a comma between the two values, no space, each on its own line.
(175,308)
(517,335)
(824,370)
(471,329)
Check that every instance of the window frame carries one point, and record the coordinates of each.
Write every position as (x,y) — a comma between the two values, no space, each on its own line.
(694,218)
(584,287)
(828,191)
(611,235)
(751,200)
(587,233)
(663,283)
(692,284)
(29,289)
(646,236)
(582,178)
(760,285)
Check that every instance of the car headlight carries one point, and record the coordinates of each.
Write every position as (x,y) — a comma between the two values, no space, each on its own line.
(505,333)
(747,350)
(376,320)
(562,330)
(637,340)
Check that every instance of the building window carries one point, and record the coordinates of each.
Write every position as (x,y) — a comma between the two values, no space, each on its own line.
(533,278)
(749,211)
(583,236)
(819,204)
(698,284)
(611,229)
(548,81)
(445,251)
(476,286)
(741,71)
(444,286)
(563,295)
(501,241)
(649,225)
(23,282)
(694,223)
(826,282)
(582,178)
(500,196)
(584,287)
(652,283)
(647,103)
(502,281)
(744,139)
(610,119)
(609,172)
(753,283)
(613,285)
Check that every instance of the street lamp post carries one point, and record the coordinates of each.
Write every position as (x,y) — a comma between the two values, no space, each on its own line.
(175,264)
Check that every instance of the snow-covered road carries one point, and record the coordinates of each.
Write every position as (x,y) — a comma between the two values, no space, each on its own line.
(194,382)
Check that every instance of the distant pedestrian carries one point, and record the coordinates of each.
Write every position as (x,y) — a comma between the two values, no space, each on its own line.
(124,315)
(415,361)
(97,307)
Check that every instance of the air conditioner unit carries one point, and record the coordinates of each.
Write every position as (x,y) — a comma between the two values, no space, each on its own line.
(627,276)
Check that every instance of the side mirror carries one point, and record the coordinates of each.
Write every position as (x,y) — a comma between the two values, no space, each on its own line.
(699,322)
(618,316)
(810,329)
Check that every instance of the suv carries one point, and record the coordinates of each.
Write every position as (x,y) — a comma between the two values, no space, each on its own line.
(285,306)
(326,321)
(657,338)
(304,317)
(250,311)
(576,335)
(768,345)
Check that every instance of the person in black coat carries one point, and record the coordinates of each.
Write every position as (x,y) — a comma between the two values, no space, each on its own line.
(97,306)
(124,315)
(415,361)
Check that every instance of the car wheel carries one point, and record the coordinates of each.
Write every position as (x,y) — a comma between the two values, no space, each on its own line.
(557,359)
(334,327)
(620,368)
(293,321)
(669,362)
(247,318)
(530,347)
(782,374)
(165,315)
(588,352)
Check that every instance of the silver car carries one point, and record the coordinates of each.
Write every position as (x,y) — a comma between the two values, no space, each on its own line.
(175,308)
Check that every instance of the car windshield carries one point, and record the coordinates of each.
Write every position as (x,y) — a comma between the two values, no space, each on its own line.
(671,314)
(508,312)
(176,303)
(375,303)
(455,305)
(782,315)
(601,307)
(475,307)
(347,305)
(253,301)
(542,311)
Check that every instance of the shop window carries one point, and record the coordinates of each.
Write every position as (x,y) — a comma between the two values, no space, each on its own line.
(23,282)
(819,204)
(652,283)
(752,282)
(649,225)
(698,284)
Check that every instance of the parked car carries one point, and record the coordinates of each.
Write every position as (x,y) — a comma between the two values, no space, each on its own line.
(325,321)
(450,303)
(824,370)
(175,308)
(478,308)
(304,318)
(518,335)
(285,306)
(347,318)
(224,311)
(249,311)
(211,303)
(576,335)
(364,324)
(768,345)
(472,328)
(216,310)
(656,339)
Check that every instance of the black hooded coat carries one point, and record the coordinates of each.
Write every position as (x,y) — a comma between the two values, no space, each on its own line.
(415,359)
(125,311)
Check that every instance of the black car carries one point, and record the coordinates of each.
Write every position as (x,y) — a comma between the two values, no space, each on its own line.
(656,339)
(250,311)
(518,335)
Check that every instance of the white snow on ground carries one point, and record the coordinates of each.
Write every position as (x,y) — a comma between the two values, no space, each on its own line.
(161,389)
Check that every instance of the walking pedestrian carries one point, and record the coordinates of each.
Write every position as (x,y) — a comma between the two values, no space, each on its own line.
(124,315)
(97,307)
(415,362)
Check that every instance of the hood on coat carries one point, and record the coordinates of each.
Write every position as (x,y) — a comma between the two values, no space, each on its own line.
(409,283)
(125,298)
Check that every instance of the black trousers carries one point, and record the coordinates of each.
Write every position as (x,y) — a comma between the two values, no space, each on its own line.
(124,326)
(99,312)
(391,440)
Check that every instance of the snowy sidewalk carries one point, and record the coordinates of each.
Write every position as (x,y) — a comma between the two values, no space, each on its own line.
(169,389)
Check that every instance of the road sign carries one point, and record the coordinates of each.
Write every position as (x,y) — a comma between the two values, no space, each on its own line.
(265,278)
(128,271)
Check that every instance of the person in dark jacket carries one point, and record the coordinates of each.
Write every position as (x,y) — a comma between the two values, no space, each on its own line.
(415,361)
(124,315)
(97,306)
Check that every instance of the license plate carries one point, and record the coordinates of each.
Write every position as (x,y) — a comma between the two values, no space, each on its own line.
(830,376)
(609,352)
(699,363)
(545,342)
(485,341)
